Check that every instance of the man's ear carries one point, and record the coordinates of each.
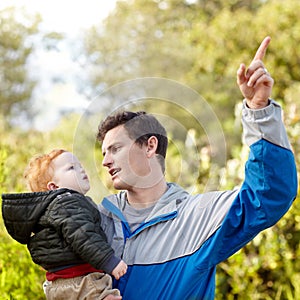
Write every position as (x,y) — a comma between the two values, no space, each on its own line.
(152,145)
(51,186)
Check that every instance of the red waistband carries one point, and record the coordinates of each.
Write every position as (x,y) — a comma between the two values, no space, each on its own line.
(72,272)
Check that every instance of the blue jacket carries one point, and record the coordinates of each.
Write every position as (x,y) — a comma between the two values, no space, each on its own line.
(174,253)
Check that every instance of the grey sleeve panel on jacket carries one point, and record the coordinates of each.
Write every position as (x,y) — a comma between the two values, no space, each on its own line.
(265,123)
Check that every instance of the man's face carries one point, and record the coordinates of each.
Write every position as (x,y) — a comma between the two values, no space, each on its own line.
(127,162)
(68,173)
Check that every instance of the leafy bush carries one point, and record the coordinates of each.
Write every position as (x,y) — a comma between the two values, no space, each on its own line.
(20,278)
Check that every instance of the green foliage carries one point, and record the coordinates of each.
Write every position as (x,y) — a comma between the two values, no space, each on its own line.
(198,43)
(267,268)
(19,278)
(16,31)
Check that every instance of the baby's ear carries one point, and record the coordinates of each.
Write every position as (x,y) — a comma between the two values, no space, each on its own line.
(51,186)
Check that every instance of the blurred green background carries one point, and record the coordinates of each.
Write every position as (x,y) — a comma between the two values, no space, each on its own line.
(199,44)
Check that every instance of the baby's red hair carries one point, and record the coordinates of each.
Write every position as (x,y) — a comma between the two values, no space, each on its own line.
(39,172)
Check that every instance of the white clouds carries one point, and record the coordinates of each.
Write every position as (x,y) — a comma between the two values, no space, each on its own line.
(66,16)
(71,16)
(62,96)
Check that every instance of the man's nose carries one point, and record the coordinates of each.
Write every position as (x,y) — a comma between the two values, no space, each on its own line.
(107,160)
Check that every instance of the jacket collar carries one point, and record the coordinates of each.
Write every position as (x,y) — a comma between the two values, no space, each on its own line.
(166,205)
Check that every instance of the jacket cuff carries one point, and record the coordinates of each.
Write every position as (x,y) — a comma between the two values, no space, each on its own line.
(265,123)
(110,264)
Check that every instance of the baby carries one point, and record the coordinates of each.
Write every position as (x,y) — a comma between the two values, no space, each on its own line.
(61,227)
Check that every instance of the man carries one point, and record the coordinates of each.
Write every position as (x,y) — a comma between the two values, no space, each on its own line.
(171,240)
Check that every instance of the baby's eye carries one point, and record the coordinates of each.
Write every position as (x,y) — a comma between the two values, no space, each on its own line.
(71,168)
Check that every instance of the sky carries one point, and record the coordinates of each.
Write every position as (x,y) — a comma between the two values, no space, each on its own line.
(64,15)
(68,17)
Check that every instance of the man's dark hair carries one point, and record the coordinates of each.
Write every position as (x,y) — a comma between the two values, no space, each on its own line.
(140,126)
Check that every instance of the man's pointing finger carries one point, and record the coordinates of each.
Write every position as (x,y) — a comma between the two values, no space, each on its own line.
(261,51)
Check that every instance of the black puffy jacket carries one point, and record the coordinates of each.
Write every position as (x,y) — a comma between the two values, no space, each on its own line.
(61,228)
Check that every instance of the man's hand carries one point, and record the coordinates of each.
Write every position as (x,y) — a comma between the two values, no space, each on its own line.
(256,83)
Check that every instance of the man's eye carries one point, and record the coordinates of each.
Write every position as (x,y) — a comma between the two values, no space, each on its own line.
(115,149)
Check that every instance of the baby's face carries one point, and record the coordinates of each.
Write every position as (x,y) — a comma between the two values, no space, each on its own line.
(68,173)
